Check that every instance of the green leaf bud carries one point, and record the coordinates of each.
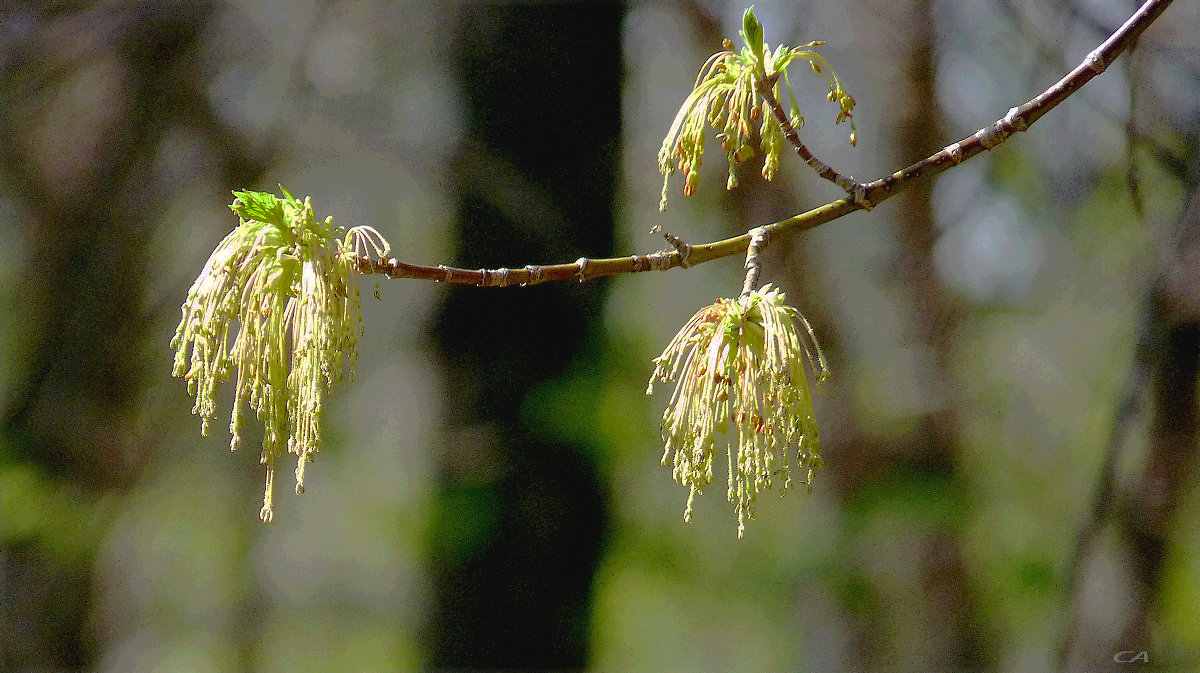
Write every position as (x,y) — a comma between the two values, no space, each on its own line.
(752,32)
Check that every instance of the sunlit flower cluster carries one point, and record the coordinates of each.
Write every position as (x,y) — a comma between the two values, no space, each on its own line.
(726,96)
(291,282)
(746,363)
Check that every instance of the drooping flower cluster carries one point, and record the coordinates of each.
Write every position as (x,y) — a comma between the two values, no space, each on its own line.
(746,363)
(726,96)
(291,282)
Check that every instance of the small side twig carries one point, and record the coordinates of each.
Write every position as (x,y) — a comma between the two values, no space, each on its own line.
(851,186)
(681,246)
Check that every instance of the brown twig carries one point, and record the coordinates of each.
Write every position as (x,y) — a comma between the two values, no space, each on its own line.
(1022,117)
(848,183)
(865,195)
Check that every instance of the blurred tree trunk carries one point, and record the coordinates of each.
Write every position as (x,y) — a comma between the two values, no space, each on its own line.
(1117,578)
(949,609)
(518,531)
(88,92)
(937,628)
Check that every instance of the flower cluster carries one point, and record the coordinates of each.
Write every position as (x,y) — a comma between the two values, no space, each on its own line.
(291,282)
(744,362)
(727,96)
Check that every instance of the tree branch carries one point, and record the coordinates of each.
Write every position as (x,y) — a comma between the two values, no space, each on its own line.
(869,194)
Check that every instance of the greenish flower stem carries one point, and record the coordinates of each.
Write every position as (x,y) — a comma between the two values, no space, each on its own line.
(875,192)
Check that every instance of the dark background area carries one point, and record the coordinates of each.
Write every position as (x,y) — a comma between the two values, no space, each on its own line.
(1010,433)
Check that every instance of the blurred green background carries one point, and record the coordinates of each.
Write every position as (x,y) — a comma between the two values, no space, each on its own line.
(1013,345)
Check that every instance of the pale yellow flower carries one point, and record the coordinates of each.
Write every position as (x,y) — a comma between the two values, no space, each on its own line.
(746,363)
(292,286)
(726,96)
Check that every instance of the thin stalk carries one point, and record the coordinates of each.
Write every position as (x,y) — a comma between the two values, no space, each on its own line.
(846,182)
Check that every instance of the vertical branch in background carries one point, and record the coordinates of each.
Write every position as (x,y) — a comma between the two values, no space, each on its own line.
(933,312)
(519,517)
(937,628)
(1139,505)
(948,595)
